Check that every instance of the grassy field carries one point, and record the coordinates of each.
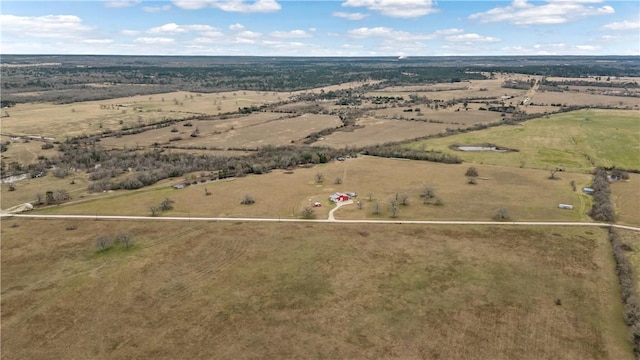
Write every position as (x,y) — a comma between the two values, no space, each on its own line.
(580,98)
(244,291)
(632,238)
(281,194)
(626,199)
(89,117)
(249,131)
(569,140)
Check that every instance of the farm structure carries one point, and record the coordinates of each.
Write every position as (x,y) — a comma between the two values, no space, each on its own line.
(339,197)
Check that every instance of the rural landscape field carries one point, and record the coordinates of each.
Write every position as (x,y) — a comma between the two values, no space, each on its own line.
(375,208)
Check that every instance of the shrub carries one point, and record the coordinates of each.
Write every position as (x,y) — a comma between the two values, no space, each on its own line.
(125,239)
(247,200)
(308,213)
(166,204)
(501,214)
(103,242)
(471,172)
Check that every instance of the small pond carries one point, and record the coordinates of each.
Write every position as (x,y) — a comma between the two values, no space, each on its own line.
(487,147)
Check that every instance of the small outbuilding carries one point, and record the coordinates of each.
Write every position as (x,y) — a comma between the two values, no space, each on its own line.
(588,191)
(565,206)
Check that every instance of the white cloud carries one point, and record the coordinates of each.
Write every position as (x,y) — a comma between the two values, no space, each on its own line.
(98,41)
(586,47)
(212,34)
(130,32)
(191,4)
(156,9)
(241,40)
(154,40)
(451,31)
(48,26)
(404,36)
(623,25)
(350,16)
(520,12)
(395,8)
(242,6)
(173,28)
(249,34)
(121,3)
(236,27)
(552,49)
(292,34)
(471,38)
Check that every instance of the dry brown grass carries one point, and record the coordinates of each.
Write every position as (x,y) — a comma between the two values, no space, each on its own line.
(26,190)
(279,194)
(60,121)
(626,199)
(250,131)
(576,98)
(244,291)
(25,152)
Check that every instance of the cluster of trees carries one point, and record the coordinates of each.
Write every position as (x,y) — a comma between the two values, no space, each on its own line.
(630,300)
(165,205)
(602,208)
(105,242)
(398,151)
(149,167)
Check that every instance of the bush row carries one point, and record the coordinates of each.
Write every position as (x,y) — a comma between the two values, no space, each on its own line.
(628,289)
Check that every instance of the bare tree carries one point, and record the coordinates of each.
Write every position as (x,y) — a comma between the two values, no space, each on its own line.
(403,199)
(338,181)
(125,239)
(501,214)
(393,208)
(319,178)
(103,242)
(308,213)
(471,172)
(207,192)
(247,200)
(166,204)
(154,210)
(375,208)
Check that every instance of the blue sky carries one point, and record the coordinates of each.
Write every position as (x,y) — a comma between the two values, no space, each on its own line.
(321,28)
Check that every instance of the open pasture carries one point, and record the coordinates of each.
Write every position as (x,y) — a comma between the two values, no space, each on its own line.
(249,290)
(251,131)
(479,89)
(25,153)
(575,141)
(626,199)
(283,195)
(65,120)
(27,190)
(377,131)
(568,98)
(454,117)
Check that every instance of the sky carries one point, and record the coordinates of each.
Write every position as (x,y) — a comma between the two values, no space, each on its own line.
(320,28)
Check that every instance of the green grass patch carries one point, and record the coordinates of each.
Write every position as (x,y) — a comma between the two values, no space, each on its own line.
(575,141)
